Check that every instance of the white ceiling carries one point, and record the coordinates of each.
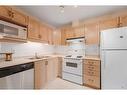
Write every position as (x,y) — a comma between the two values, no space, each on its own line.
(52,15)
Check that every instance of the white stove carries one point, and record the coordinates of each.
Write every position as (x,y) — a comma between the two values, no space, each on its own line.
(72,69)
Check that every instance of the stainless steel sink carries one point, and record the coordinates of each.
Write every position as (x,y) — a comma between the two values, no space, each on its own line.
(40,57)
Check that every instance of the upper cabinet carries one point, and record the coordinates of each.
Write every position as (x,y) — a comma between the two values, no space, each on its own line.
(57,37)
(110,22)
(92,33)
(50,35)
(19,17)
(75,32)
(5,12)
(33,29)
(43,33)
(79,31)
(12,15)
(39,32)
(123,20)
(69,32)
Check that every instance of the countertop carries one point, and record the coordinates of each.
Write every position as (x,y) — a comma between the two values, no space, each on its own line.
(17,61)
(92,57)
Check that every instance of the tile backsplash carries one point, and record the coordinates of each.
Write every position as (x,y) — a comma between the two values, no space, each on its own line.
(92,49)
(30,48)
(88,49)
(26,49)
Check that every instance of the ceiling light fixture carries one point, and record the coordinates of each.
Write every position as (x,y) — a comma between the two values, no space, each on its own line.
(75,6)
(61,9)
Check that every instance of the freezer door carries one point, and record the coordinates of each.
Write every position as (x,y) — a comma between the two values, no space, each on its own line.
(114,69)
(115,38)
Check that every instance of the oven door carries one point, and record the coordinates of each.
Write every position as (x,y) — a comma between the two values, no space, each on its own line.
(73,66)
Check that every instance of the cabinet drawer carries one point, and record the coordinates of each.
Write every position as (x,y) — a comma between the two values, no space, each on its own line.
(92,62)
(92,81)
(92,67)
(92,73)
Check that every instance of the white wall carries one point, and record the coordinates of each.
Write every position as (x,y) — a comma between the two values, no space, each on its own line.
(30,48)
(27,49)
(89,49)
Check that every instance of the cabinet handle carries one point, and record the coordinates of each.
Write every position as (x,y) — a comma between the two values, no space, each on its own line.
(46,63)
(9,13)
(39,36)
(12,14)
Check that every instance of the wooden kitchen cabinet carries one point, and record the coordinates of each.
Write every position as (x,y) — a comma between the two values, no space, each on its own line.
(33,29)
(57,37)
(92,73)
(45,72)
(63,37)
(40,74)
(43,33)
(70,33)
(50,35)
(60,61)
(19,17)
(123,20)
(110,22)
(79,31)
(52,69)
(5,12)
(12,15)
(92,33)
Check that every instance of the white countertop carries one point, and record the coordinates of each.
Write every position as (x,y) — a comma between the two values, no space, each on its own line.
(22,60)
(17,61)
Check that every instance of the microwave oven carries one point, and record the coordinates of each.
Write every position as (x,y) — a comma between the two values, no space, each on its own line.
(9,30)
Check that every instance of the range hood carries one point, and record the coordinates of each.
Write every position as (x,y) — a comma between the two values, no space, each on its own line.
(76,40)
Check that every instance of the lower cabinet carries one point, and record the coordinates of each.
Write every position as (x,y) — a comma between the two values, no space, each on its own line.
(60,60)
(45,72)
(92,73)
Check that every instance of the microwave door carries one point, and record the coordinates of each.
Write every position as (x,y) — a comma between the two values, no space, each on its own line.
(1,28)
(11,31)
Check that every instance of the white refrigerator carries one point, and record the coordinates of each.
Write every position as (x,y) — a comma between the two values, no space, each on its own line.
(113,52)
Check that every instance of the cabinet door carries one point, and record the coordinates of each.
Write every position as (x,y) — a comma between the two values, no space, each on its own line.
(33,29)
(60,67)
(123,20)
(43,33)
(79,31)
(19,17)
(108,23)
(52,69)
(57,37)
(92,33)
(70,33)
(40,74)
(5,12)
(50,35)
(63,37)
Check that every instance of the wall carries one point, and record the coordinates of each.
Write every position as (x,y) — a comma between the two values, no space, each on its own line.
(26,49)
(73,48)
(30,48)
(92,50)
(89,50)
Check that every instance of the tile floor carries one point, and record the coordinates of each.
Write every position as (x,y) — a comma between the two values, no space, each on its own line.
(59,84)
